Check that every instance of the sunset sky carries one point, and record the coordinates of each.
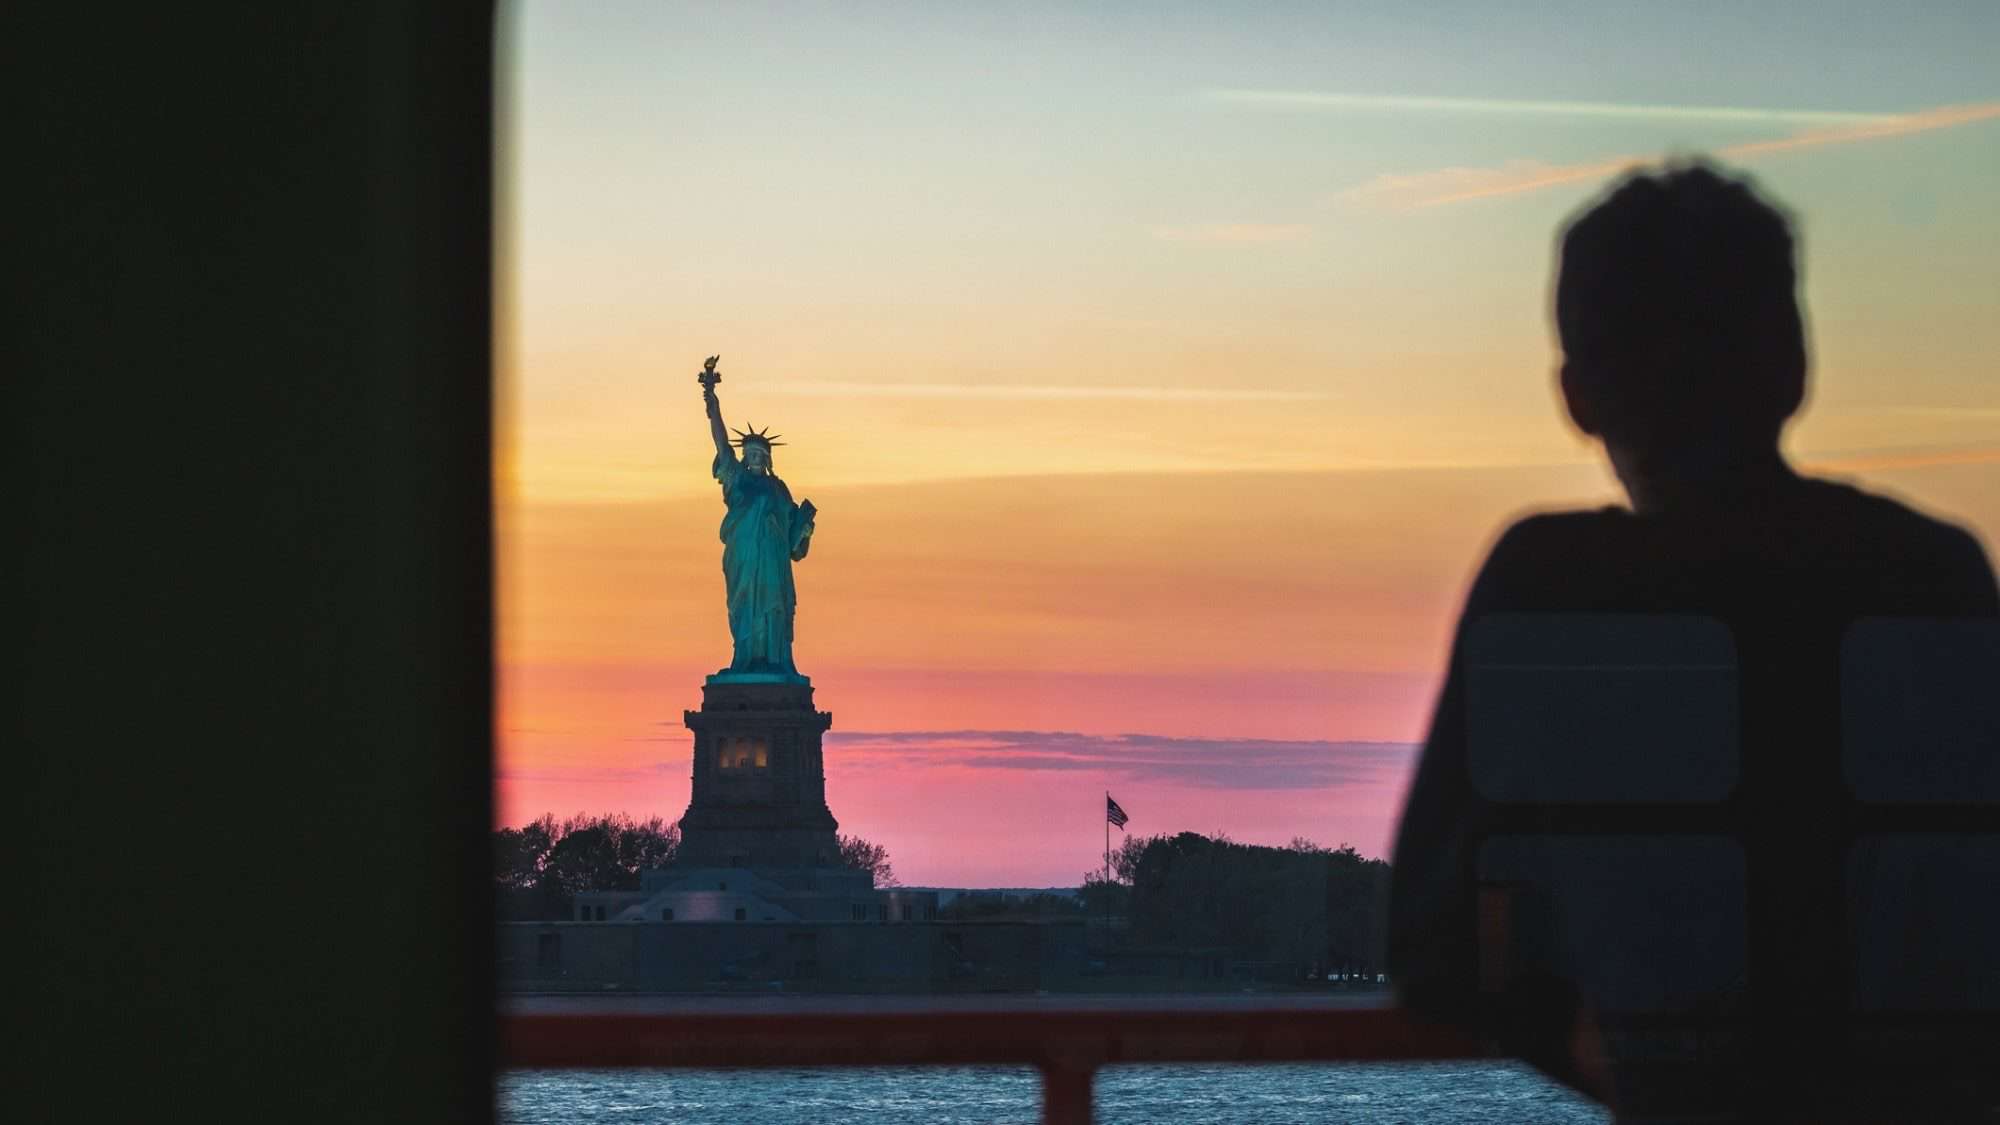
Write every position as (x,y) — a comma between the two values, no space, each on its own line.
(1160,376)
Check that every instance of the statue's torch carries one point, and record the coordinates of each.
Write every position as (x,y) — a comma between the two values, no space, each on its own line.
(709,376)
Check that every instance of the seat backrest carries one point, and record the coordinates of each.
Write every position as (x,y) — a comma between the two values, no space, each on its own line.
(1626,855)
(1609,746)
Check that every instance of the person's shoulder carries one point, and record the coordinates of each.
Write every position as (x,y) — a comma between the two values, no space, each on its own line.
(1541,532)
(1887,517)
(1533,554)
(1949,554)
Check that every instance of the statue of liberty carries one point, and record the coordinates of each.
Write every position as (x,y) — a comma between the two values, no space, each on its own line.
(763,534)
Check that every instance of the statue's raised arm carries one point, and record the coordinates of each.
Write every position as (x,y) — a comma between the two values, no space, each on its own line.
(763,534)
(708,378)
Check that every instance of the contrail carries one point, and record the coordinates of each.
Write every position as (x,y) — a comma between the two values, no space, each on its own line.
(1457,185)
(1313,99)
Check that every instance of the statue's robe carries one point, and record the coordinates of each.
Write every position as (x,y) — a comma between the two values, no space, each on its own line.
(763,533)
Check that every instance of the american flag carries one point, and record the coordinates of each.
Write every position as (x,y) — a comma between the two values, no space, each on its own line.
(1113,813)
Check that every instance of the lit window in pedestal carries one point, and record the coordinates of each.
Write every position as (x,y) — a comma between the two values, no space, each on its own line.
(744,754)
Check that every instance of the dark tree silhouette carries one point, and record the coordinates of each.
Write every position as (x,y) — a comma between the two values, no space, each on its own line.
(587,860)
(518,854)
(538,867)
(861,855)
(1303,904)
(1357,911)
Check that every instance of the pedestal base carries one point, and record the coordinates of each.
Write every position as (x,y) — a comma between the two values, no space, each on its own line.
(759,792)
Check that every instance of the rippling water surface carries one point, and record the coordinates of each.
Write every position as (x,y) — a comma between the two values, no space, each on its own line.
(1139,1095)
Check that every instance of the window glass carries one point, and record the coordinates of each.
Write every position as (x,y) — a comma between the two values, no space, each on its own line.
(1157,405)
(1115,412)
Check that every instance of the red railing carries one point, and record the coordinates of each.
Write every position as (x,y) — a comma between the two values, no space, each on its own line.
(1068,1045)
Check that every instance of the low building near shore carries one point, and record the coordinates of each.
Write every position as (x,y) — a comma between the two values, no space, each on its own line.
(740,894)
(804,956)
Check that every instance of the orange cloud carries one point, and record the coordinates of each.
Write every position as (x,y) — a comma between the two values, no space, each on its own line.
(1902,459)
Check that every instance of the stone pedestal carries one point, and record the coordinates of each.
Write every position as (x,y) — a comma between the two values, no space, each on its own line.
(759,795)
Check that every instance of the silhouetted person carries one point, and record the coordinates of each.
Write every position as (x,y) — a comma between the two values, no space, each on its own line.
(1684,353)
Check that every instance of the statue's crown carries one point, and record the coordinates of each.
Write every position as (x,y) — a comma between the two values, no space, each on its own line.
(755,436)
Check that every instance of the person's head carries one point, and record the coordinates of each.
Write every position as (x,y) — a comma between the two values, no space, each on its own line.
(1677,310)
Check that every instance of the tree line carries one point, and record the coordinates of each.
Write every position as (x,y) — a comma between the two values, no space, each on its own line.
(1302,904)
(539,868)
